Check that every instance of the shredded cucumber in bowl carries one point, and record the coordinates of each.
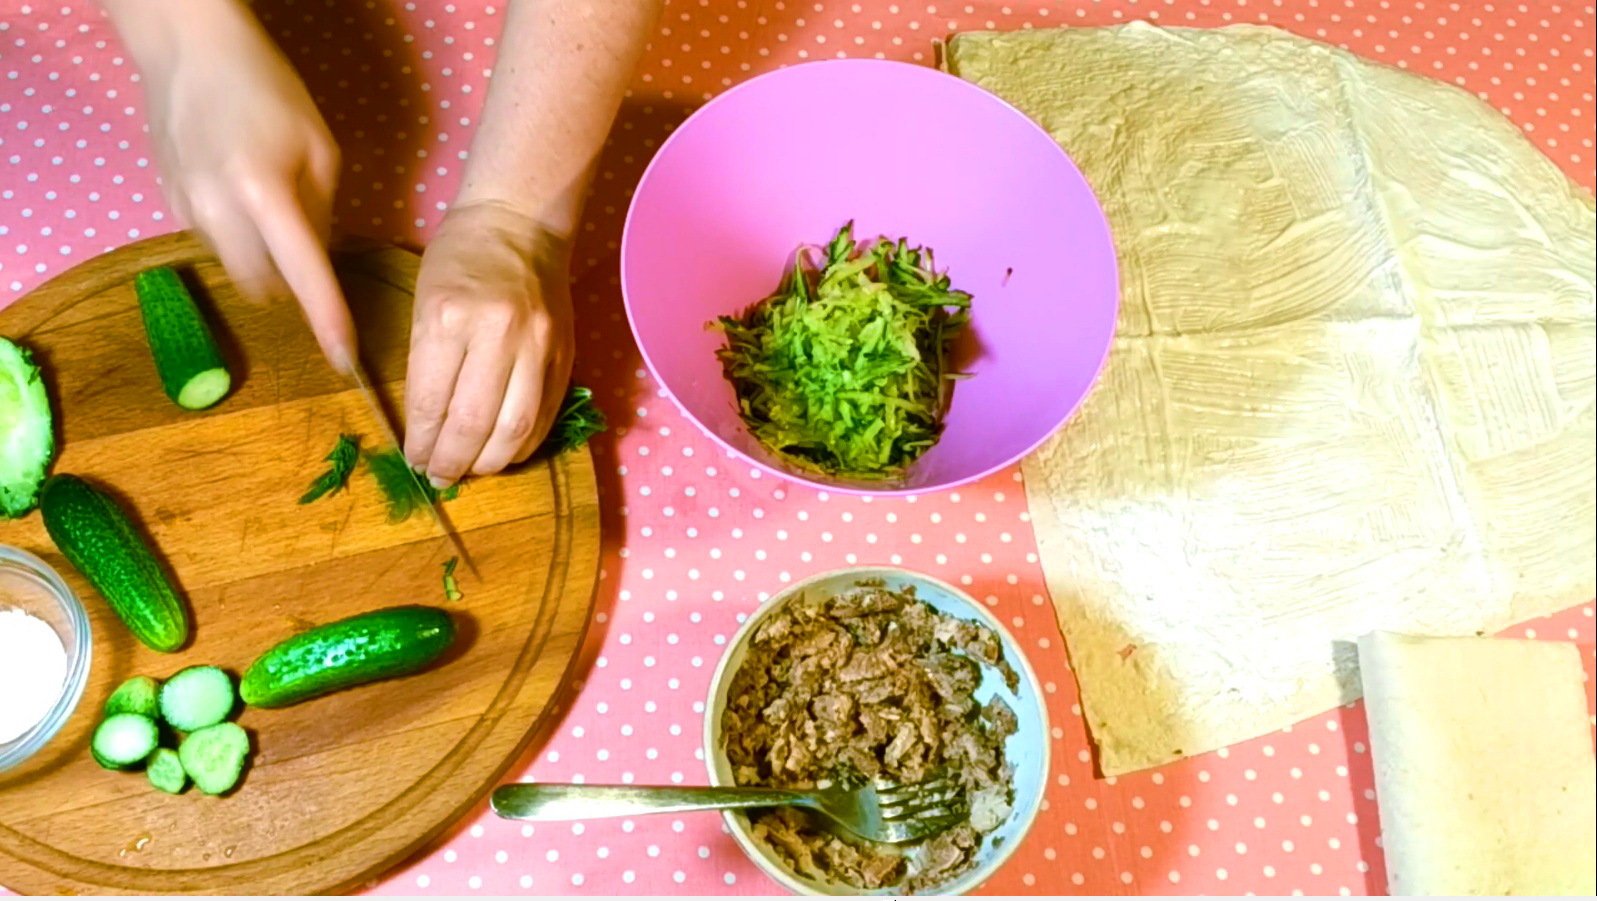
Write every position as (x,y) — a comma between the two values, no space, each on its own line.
(845,369)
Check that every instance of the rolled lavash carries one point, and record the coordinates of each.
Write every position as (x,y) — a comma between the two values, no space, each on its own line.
(1484,770)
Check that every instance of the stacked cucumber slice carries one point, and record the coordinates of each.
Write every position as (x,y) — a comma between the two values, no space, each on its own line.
(196,703)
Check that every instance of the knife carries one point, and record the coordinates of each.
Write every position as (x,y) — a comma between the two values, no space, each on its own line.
(363,382)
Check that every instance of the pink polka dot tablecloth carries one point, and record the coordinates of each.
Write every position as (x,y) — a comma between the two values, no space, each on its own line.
(695,540)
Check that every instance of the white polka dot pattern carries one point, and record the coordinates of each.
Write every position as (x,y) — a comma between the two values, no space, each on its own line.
(695,540)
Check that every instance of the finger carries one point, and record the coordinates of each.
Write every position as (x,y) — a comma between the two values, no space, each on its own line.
(318,184)
(232,236)
(322,162)
(555,379)
(436,355)
(473,410)
(178,200)
(302,259)
(318,206)
(518,416)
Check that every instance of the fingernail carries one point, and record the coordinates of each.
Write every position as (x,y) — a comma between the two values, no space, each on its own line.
(439,484)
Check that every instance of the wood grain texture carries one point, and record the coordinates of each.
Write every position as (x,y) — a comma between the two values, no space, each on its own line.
(341,787)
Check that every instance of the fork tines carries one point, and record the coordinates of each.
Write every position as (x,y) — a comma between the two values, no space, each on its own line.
(935,799)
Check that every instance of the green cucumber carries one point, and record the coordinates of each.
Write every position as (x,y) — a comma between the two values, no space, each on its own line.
(197,697)
(27,430)
(136,695)
(186,356)
(165,771)
(97,538)
(124,740)
(365,648)
(214,757)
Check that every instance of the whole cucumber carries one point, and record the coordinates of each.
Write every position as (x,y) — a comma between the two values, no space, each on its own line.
(99,540)
(364,648)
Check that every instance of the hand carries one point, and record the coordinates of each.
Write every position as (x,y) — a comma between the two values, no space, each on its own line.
(490,343)
(246,158)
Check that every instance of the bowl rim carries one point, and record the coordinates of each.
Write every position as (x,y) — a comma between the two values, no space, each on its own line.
(80,653)
(628,234)
(971,879)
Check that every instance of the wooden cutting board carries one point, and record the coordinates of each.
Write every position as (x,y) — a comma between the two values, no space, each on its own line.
(343,787)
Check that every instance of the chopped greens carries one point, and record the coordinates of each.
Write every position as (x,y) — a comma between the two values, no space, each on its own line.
(451,588)
(405,491)
(579,420)
(341,462)
(845,369)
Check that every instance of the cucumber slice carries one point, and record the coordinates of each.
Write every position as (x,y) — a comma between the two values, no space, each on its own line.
(165,771)
(214,757)
(124,740)
(27,431)
(98,539)
(136,695)
(197,697)
(186,356)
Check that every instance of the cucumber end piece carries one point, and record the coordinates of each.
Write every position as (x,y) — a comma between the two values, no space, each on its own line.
(136,695)
(165,772)
(205,389)
(214,757)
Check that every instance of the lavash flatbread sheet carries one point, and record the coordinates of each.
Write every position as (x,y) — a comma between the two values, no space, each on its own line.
(1484,770)
(1352,386)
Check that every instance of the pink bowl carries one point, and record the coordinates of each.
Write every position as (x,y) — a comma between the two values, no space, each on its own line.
(787,158)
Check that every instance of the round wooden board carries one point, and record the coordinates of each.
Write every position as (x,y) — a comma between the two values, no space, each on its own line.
(343,787)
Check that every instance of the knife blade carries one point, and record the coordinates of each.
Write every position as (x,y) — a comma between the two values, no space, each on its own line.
(363,382)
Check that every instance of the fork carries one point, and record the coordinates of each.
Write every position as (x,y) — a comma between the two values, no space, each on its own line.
(884,812)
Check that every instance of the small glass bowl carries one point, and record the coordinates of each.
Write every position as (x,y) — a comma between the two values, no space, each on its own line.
(31,585)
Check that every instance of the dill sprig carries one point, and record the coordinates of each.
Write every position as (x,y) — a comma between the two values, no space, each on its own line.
(341,462)
(578,421)
(405,491)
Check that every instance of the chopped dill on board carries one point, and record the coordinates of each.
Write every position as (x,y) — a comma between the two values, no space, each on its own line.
(341,464)
(451,588)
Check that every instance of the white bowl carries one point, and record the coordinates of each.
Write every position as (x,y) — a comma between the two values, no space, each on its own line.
(1026,750)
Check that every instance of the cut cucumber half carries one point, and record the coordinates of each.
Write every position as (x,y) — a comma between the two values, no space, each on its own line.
(197,697)
(136,695)
(205,389)
(214,757)
(27,430)
(187,359)
(124,740)
(165,771)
